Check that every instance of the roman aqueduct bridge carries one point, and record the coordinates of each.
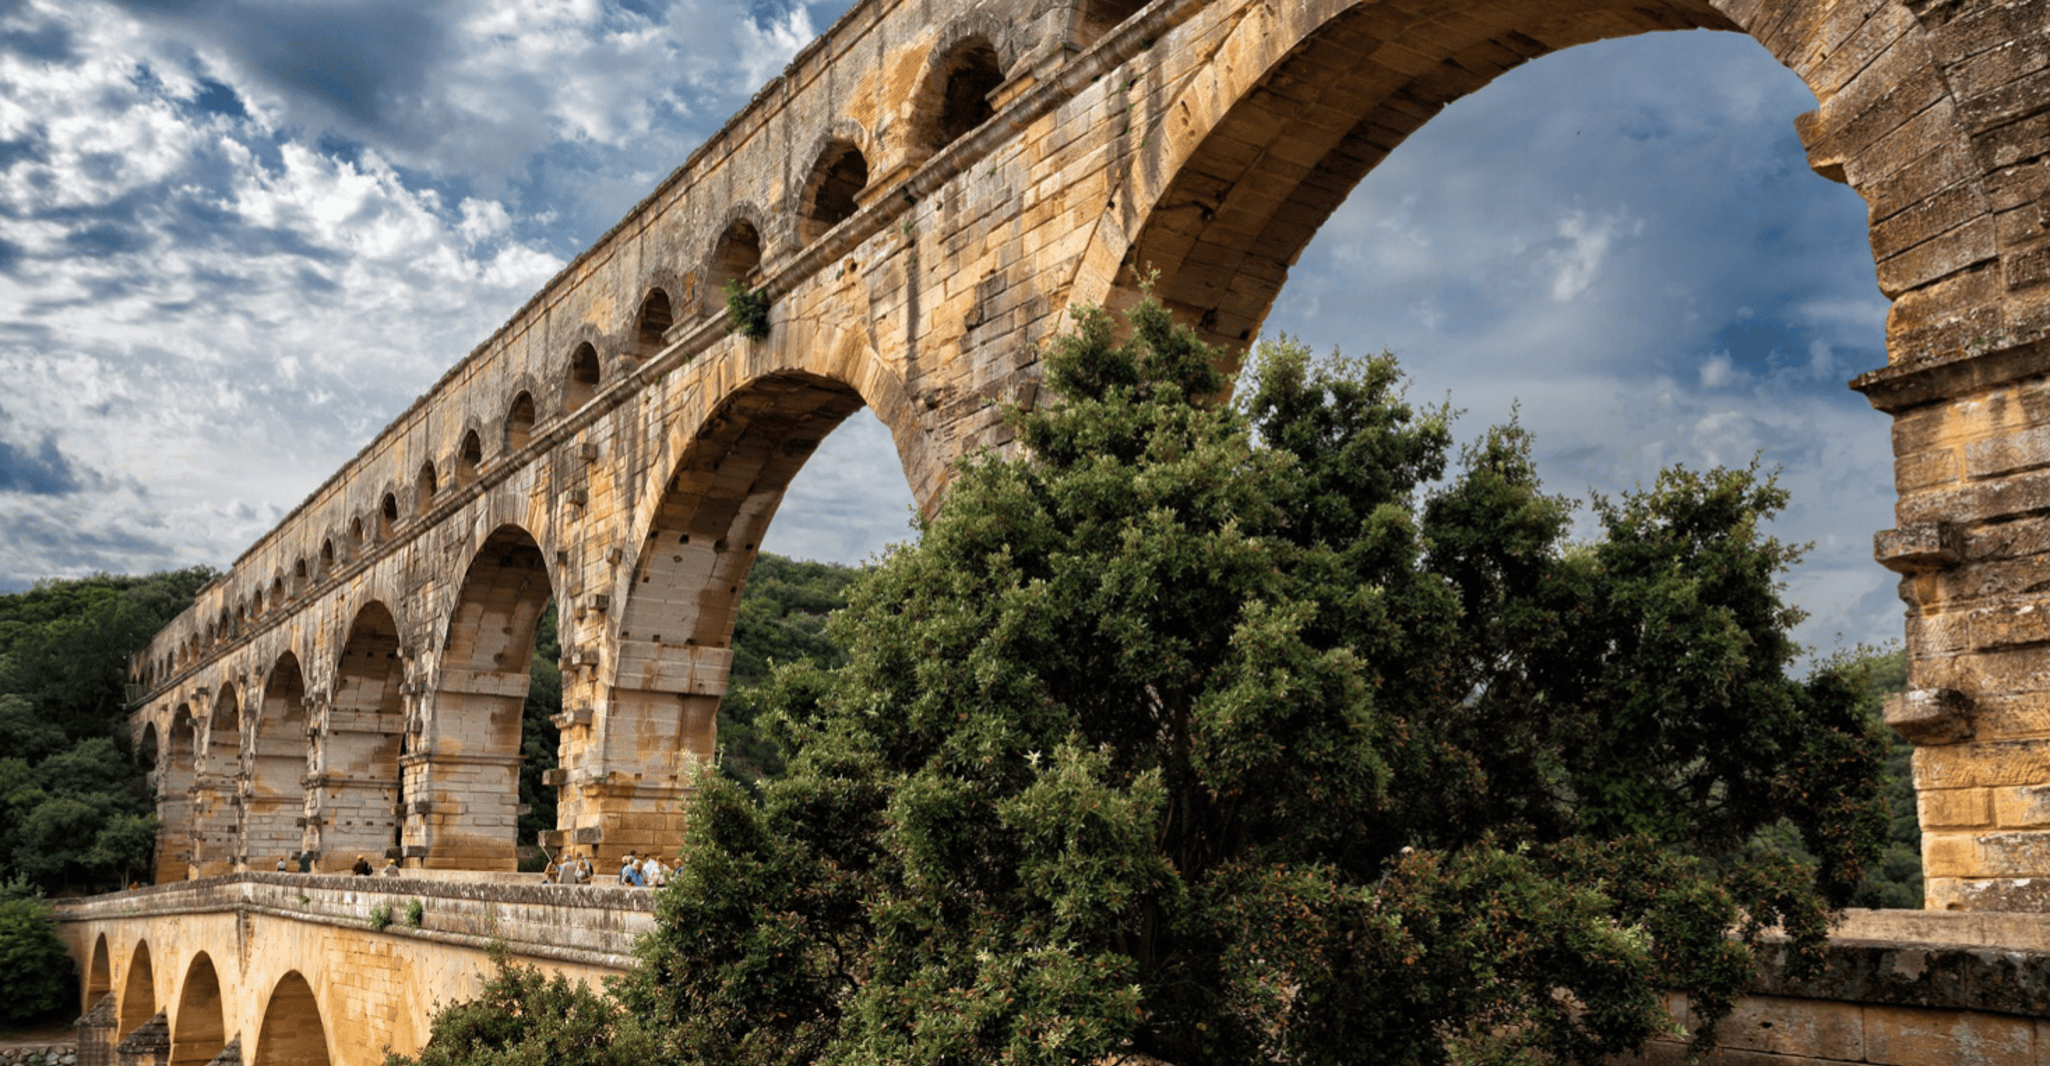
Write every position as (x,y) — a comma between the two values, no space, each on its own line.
(923,194)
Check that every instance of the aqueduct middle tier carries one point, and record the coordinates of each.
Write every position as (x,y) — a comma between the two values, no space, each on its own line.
(922,195)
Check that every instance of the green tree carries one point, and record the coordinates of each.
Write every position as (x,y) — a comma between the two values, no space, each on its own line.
(540,739)
(523,1017)
(783,612)
(75,811)
(41,978)
(1215,732)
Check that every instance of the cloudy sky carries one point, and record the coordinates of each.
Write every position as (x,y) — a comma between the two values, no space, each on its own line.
(238,236)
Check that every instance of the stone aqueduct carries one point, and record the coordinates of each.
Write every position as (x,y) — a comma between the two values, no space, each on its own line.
(923,194)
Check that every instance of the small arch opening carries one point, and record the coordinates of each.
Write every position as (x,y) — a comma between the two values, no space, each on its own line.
(277,592)
(584,376)
(292,1033)
(1099,17)
(138,992)
(651,326)
(99,977)
(519,422)
(738,255)
(197,1029)
(964,81)
(425,488)
(830,196)
(327,559)
(387,516)
(470,457)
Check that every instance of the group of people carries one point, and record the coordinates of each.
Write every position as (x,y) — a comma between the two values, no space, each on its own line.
(575,869)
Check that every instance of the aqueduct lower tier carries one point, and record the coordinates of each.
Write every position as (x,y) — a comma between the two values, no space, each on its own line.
(922,195)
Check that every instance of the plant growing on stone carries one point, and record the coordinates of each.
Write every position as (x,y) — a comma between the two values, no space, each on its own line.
(1232,734)
(747,310)
(380,916)
(414,911)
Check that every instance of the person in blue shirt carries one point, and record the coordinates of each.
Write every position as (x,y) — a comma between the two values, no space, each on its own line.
(630,871)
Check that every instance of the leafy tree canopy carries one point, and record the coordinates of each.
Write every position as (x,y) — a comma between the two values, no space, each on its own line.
(75,811)
(1267,732)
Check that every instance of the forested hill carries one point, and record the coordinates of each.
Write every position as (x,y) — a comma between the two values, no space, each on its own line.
(75,813)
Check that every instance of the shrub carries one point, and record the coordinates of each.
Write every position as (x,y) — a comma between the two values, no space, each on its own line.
(747,310)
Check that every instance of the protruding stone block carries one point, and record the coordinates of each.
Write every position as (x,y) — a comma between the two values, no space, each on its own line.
(1930,716)
(1918,547)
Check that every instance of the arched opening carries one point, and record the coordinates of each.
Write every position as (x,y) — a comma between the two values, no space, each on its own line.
(214,787)
(651,325)
(176,775)
(277,770)
(957,93)
(425,486)
(356,534)
(138,992)
(677,624)
(197,1030)
(327,559)
(99,976)
(519,422)
(735,258)
(277,592)
(469,769)
(292,1032)
(1098,17)
(387,516)
(838,176)
(299,577)
(584,377)
(358,778)
(469,458)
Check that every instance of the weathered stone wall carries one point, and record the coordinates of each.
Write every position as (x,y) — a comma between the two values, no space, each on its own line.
(611,448)
(1902,989)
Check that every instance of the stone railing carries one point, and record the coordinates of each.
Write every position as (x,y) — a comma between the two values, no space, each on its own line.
(589,924)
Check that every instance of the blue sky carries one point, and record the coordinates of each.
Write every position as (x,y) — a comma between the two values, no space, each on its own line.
(238,236)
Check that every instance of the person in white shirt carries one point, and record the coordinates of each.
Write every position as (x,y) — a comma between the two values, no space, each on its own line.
(651,871)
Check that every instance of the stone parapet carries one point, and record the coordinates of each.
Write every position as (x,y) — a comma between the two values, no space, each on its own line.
(593,925)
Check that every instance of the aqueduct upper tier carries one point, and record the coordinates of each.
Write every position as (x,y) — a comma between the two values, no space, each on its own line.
(922,195)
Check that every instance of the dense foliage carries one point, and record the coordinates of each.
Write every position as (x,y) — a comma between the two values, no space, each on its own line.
(783,612)
(522,1018)
(1215,733)
(41,978)
(75,811)
(540,738)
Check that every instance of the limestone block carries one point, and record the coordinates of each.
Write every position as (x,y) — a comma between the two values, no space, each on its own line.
(1897,1036)
(1930,716)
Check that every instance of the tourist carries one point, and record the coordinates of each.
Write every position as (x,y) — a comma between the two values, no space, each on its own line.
(566,869)
(651,871)
(282,860)
(583,870)
(362,867)
(630,870)
(391,868)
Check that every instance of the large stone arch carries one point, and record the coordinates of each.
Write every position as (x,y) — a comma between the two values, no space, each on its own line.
(216,770)
(198,1028)
(633,733)
(175,776)
(274,801)
(1245,162)
(138,1003)
(293,1032)
(463,777)
(1230,177)
(356,782)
